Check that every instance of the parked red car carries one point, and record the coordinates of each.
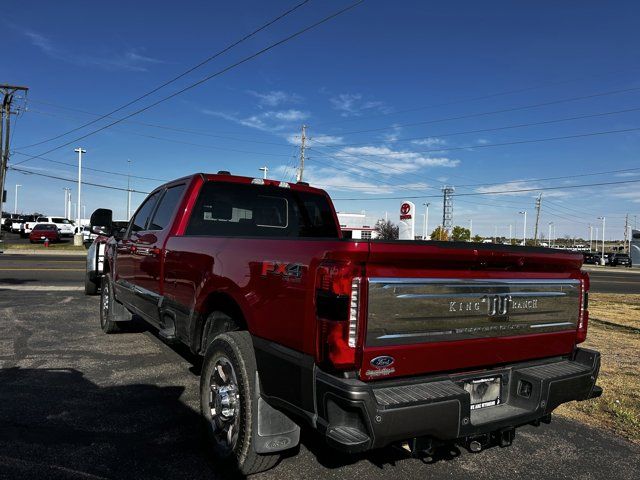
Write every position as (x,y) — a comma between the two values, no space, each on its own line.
(43,231)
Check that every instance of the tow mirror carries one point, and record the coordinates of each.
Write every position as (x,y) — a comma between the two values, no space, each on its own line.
(102,221)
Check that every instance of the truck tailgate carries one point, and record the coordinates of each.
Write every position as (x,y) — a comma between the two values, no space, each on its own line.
(487,306)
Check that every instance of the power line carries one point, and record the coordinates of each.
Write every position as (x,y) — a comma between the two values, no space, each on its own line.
(517,142)
(176,78)
(145,124)
(55,177)
(495,112)
(463,100)
(213,75)
(504,127)
(551,178)
(502,192)
(110,172)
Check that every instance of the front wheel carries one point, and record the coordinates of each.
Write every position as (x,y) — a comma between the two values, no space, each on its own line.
(106,307)
(228,402)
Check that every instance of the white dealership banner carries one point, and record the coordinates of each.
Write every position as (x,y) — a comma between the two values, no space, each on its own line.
(407,225)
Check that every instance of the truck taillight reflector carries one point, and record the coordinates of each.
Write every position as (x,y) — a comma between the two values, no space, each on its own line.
(354,310)
(583,318)
(338,314)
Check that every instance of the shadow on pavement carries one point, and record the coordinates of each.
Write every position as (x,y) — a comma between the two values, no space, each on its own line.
(58,424)
(17,281)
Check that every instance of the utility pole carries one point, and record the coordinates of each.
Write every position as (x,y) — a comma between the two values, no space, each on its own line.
(626,231)
(8,92)
(79,151)
(550,242)
(447,211)
(590,237)
(524,228)
(470,229)
(15,203)
(264,171)
(538,206)
(303,146)
(510,234)
(426,219)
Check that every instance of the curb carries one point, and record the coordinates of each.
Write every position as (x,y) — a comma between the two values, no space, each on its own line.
(43,252)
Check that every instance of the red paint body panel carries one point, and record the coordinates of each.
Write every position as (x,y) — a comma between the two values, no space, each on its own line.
(471,354)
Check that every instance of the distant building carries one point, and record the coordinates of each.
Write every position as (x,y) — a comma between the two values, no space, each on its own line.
(357,226)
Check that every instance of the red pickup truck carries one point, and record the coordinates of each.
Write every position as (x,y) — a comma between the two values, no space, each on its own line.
(370,343)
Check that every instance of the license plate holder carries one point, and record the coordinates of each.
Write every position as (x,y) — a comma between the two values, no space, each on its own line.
(484,392)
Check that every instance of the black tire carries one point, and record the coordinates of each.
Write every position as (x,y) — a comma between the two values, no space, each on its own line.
(90,287)
(232,352)
(106,307)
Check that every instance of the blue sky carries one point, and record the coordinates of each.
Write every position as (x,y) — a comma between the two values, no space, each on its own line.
(393,94)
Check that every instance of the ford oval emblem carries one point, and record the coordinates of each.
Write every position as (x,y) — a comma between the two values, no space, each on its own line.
(382,362)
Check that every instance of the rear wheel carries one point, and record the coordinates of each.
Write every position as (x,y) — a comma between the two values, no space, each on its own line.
(228,402)
(106,307)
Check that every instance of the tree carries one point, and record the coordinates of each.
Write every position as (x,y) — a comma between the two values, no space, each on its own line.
(387,230)
(439,234)
(478,239)
(460,234)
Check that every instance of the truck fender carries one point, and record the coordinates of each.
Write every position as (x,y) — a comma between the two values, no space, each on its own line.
(273,431)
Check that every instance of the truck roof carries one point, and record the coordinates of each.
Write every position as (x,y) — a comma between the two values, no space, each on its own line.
(223,176)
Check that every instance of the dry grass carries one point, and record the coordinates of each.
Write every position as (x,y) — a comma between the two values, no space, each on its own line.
(618,409)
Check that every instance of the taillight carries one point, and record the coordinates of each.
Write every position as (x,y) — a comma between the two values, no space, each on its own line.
(338,286)
(583,316)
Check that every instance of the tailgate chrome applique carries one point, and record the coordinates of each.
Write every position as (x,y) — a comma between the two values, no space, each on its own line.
(414,310)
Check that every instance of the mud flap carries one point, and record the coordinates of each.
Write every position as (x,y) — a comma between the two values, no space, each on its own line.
(274,431)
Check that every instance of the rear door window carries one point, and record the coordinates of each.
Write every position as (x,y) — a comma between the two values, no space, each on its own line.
(166,207)
(141,218)
(226,209)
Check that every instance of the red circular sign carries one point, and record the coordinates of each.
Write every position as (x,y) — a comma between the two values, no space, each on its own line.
(405,208)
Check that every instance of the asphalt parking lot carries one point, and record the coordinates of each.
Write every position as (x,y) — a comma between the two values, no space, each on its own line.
(77,404)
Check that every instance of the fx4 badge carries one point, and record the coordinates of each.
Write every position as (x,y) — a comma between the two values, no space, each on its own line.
(287,270)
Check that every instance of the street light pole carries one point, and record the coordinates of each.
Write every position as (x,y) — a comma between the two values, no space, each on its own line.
(590,237)
(426,219)
(264,171)
(470,229)
(15,202)
(79,151)
(550,225)
(524,228)
(67,202)
(603,226)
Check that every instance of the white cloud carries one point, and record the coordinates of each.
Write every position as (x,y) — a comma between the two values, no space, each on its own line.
(482,141)
(274,98)
(393,135)
(506,189)
(352,104)
(287,115)
(273,121)
(430,142)
(627,174)
(344,180)
(387,159)
(315,140)
(132,59)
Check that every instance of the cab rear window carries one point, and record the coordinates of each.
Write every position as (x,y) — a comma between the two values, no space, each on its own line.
(226,209)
